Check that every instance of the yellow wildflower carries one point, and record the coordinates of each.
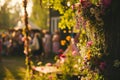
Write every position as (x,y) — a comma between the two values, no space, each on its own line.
(68,38)
(63,42)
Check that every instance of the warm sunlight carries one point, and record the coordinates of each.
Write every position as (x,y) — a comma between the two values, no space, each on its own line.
(29,6)
(19,6)
(2,2)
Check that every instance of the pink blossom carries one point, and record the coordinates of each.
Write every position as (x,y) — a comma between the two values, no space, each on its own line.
(106,3)
(60,51)
(50,77)
(73,6)
(102,65)
(62,59)
(42,68)
(82,1)
(85,3)
(23,39)
(48,64)
(89,43)
(74,53)
(62,56)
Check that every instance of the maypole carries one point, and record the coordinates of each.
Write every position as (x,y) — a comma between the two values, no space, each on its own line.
(26,41)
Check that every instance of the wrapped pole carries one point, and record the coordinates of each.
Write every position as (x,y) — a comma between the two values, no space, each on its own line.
(26,41)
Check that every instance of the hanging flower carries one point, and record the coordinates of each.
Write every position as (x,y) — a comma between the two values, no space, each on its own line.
(60,51)
(106,3)
(61,56)
(68,38)
(63,42)
(74,53)
(48,64)
(89,54)
(50,77)
(102,65)
(85,3)
(89,43)
(73,7)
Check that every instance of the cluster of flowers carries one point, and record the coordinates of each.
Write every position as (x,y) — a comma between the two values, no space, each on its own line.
(90,10)
(89,21)
(89,62)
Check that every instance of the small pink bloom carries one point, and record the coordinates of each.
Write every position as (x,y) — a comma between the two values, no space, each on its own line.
(60,51)
(89,43)
(73,6)
(62,56)
(106,3)
(48,64)
(62,60)
(82,1)
(102,65)
(85,3)
(25,52)
(42,68)
(74,53)
(50,77)
(23,39)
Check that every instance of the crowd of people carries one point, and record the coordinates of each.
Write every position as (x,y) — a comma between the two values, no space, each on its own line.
(11,43)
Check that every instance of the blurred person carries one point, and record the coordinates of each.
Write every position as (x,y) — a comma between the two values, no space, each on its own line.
(47,43)
(0,49)
(36,46)
(56,42)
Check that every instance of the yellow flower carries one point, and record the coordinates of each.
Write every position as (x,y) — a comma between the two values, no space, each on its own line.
(64,31)
(89,54)
(68,38)
(63,42)
(83,31)
(69,31)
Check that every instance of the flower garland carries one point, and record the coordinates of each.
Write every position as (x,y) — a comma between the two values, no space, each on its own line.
(91,40)
(89,64)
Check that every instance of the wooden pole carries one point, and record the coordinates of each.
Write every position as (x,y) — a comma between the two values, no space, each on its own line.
(26,42)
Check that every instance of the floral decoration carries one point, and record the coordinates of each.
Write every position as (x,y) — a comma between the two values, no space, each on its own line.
(89,64)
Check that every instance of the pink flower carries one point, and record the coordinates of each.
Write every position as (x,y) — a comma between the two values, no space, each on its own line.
(73,7)
(62,56)
(23,39)
(82,1)
(106,3)
(102,65)
(74,53)
(48,64)
(50,77)
(60,51)
(42,68)
(89,43)
(85,3)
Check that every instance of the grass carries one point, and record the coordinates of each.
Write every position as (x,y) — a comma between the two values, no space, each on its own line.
(14,68)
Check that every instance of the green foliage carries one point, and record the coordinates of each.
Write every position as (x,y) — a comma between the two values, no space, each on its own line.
(116,63)
(87,17)
(9,19)
(67,18)
(94,1)
(4,16)
(39,14)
